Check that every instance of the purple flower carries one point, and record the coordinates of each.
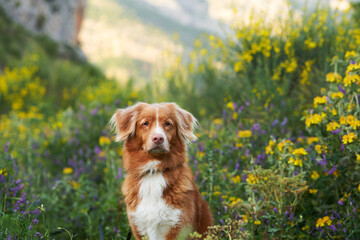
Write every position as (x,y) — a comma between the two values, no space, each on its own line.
(336,131)
(340,202)
(9,237)
(117,231)
(256,127)
(275,210)
(222,221)
(237,165)
(352,62)
(284,122)
(332,227)
(333,169)
(291,216)
(34,221)
(39,235)
(341,89)
(119,175)
(275,122)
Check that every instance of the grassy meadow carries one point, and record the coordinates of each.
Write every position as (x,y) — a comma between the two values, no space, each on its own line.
(278,149)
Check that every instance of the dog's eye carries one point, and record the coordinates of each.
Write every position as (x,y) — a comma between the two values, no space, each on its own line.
(146,123)
(167,123)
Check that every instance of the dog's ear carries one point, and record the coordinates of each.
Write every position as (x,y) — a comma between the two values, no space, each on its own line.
(124,121)
(186,124)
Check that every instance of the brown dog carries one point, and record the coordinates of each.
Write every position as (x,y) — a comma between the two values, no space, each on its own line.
(159,189)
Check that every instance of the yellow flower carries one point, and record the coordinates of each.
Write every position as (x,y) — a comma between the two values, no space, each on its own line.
(200,154)
(337,95)
(3,172)
(359,187)
(296,162)
(313,191)
(236,179)
(350,79)
(332,126)
(349,54)
(238,145)
(251,179)
(216,193)
(68,170)
(320,149)
(305,228)
(245,218)
(346,139)
(269,148)
(257,222)
(313,119)
(217,121)
(358,157)
(332,77)
(103,140)
(74,184)
(311,140)
(319,100)
(322,221)
(244,134)
(300,151)
(315,175)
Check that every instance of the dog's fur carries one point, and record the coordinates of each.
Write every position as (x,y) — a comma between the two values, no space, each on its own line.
(159,189)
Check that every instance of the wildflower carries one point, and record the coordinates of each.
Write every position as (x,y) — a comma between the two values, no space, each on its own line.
(245,218)
(350,79)
(217,121)
(332,126)
(244,134)
(236,179)
(320,149)
(358,157)
(313,119)
(322,221)
(346,139)
(359,188)
(269,148)
(315,175)
(68,170)
(296,162)
(257,222)
(333,77)
(305,228)
(300,151)
(319,100)
(337,95)
(313,191)
(349,54)
(352,68)
(200,154)
(251,179)
(3,172)
(311,140)
(74,184)
(103,140)
(238,145)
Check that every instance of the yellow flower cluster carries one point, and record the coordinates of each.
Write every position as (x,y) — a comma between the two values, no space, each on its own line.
(296,162)
(269,148)
(321,222)
(337,95)
(311,140)
(314,119)
(244,134)
(346,139)
(103,140)
(350,120)
(300,152)
(319,100)
(312,191)
(315,175)
(350,79)
(320,149)
(251,179)
(3,172)
(333,77)
(331,126)
(67,170)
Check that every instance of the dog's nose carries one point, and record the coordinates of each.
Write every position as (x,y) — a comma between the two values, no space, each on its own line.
(158,138)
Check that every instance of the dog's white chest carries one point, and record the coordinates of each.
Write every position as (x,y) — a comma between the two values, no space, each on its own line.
(153,217)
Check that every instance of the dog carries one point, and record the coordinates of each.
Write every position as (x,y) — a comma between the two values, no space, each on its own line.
(161,198)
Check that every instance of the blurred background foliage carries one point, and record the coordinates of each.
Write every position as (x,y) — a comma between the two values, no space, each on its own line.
(273,160)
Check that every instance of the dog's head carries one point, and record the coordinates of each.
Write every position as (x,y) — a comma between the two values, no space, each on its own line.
(155,128)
